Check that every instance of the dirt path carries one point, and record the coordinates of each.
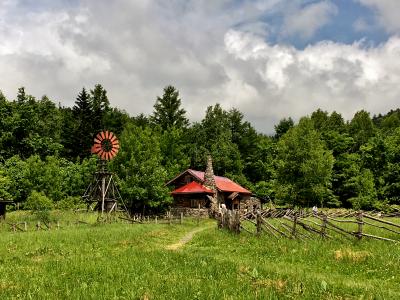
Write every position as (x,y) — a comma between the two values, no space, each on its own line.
(186,239)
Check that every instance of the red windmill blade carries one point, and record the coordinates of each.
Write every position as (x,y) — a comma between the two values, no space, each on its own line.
(106,145)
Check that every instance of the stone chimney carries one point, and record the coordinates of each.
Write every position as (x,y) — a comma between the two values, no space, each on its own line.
(209,180)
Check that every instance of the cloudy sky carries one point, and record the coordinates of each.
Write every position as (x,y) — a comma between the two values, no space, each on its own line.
(268,58)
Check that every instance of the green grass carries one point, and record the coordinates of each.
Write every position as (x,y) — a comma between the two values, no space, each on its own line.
(124,261)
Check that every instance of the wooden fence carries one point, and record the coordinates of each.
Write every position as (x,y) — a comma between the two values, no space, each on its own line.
(25,226)
(303,224)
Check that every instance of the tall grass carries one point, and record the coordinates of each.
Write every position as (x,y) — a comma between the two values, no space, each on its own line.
(131,261)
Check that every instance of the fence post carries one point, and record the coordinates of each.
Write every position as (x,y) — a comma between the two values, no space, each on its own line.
(294,225)
(155,219)
(360,224)
(198,215)
(323,226)
(237,222)
(258,222)
(169,217)
(25,226)
(229,220)
(181,221)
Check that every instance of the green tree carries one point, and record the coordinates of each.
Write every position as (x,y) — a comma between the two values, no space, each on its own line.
(5,184)
(141,175)
(99,107)
(361,128)
(84,130)
(167,110)
(320,119)
(304,168)
(283,126)
(391,172)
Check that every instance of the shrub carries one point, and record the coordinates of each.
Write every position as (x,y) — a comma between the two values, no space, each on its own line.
(40,205)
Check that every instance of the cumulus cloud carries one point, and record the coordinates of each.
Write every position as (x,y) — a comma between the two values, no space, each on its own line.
(213,51)
(387,13)
(345,78)
(307,20)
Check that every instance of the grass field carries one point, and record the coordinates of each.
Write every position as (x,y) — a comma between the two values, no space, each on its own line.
(125,261)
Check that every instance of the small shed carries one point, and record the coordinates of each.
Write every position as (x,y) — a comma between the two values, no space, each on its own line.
(3,208)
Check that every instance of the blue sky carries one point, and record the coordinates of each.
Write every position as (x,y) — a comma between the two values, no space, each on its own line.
(269,58)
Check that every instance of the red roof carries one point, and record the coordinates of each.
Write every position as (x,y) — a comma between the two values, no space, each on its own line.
(223,184)
(192,188)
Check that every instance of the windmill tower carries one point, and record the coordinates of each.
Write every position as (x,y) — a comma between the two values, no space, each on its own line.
(102,193)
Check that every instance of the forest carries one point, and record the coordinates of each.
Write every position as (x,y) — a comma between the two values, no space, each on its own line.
(320,160)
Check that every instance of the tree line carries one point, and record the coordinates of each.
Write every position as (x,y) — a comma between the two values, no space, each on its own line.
(320,160)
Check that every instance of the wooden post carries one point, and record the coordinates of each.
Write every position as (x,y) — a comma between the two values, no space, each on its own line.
(360,224)
(181,221)
(155,219)
(169,217)
(25,226)
(237,222)
(294,225)
(198,215)
(323,226)
(258,222)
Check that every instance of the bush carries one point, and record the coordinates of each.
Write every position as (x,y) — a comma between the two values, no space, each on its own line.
(40,205)
(70,203)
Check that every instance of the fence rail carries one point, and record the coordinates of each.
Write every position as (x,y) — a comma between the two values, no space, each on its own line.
(304,224)
(24,226)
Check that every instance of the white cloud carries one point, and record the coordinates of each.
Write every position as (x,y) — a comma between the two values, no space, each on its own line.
(345,78)
(307,20)
(387,13)
(213,51)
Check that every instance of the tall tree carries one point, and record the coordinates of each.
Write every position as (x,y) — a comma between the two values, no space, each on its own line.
(283,126)
(100,106)
(304,167)
(167,110)
(84,131)
(320,119)
(361,128)
(141,174)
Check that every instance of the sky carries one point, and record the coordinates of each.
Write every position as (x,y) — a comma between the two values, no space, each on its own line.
(271,59)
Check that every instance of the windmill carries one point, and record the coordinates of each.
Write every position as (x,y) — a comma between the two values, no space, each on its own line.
(102,193)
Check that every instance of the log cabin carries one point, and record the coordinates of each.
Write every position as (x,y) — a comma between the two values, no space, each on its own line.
(203,190)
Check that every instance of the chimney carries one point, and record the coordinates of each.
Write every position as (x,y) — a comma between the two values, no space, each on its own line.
(209,180)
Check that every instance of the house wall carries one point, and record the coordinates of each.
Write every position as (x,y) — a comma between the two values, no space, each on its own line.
(190,201)
(190,212)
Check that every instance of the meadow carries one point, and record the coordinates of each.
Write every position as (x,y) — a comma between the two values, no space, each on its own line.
(136,261)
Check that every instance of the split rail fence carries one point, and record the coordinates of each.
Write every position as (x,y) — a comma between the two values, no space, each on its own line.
(24,226)
(303,225)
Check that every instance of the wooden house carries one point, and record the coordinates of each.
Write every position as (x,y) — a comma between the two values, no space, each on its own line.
(196,189)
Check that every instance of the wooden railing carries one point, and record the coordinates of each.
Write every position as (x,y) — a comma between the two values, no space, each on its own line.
(303,224)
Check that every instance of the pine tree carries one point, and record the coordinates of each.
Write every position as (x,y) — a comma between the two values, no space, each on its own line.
(100,106)
(168,112)
(83,114)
